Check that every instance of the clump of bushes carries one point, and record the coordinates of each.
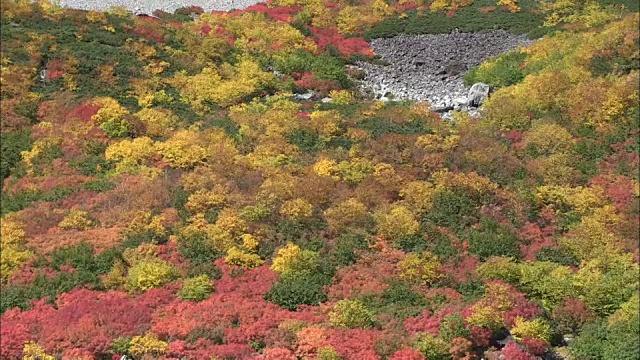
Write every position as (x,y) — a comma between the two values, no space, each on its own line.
(148,274)
(196,289)
(351,314)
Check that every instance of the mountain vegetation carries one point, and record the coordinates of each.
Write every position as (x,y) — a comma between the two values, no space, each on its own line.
(166,196)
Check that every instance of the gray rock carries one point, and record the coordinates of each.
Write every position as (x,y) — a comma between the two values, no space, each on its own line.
(326,100)
(478,93)
(568,339)
(306,96)
(460,103)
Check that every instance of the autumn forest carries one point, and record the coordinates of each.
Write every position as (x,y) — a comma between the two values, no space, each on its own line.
(165,195)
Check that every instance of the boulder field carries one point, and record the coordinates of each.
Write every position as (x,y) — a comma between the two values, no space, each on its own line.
(431,67)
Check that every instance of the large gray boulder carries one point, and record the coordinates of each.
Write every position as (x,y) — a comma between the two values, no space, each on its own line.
(478,93)
(460,103)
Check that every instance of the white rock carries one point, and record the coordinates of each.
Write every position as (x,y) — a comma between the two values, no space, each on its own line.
(460,101)
(306,96)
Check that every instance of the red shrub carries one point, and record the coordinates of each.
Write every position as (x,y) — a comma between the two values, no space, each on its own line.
(535,238)
(618,188)
(354,343)
(278,13)
(524,309)
(535,346)
(426,322)
(571,315)
(407,354)
(85,320)
(232,351)
(13,336)
(55,69)
(73,354)
(310,339)
(480,336)
(93,319)
(461,349)
(411,5)
(237,307)
(176,349)
(205,29)
(345,46)
(367,276)
(322,87)
(277,354)
(512,351)
(149,28)
(513,136)
(463,271)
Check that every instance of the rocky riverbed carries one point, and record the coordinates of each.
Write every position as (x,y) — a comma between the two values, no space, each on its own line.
(431,67)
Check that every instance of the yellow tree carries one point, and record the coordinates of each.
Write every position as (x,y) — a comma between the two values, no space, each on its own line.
(132,156)
(184,149)
(245,255)
(327,124)
(297,209)
(227,230)
(586,13)
(12,244)
(419,269)
(225,86)
(396,223)
(158,121)
(292,260)
(348,215)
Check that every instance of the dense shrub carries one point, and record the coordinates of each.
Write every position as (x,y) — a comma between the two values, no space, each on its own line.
(293,291)
(12,202)
(466,19)
(397,300)
(99,185)
(196,288)
(149,274)
(197,249)
(453,210)
(433,347)
(12,144)
(452,326)
(493,239)
(503,71)
(347,246)
(351,314)
(92,165)
(600,341)
(558,255)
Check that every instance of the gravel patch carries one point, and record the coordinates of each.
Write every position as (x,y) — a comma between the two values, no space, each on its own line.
(148,6)
(431,67)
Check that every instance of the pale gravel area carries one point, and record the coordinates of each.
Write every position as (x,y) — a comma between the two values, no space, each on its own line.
(148,6)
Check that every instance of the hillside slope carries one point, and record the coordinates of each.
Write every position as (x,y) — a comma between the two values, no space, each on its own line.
(166,196)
